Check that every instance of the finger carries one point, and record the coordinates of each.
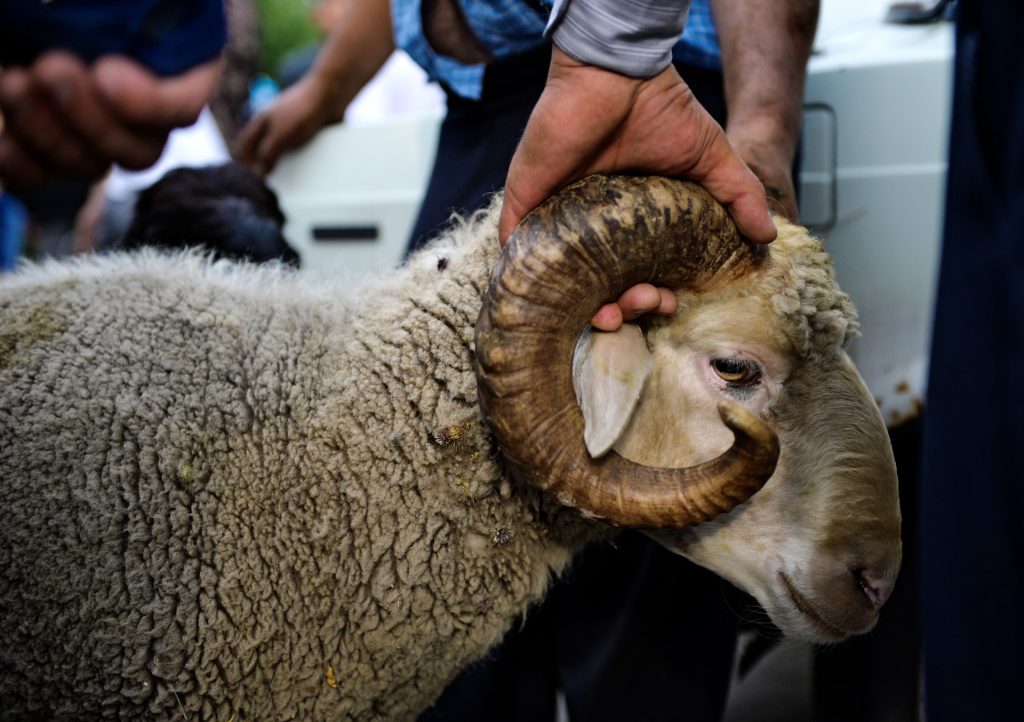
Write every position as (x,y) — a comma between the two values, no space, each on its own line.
(736,187)
(512,211)
(249,140)
(18,166)
(525,189)
(76,99)
(546,159)
(739,190)
(638,300)
(781,201)
(270,149)
(142,98)
(791,210)
(15,88)
(19,169)
(607,318)
(517,200)
(750,211)
(520,198)
(668,303)
(635,302)
(771,161)
(774,176)
(36,125)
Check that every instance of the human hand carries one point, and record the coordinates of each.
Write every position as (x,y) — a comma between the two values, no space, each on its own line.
(590,120)
(64,118)
(765,45)
(772,163)
(298,114)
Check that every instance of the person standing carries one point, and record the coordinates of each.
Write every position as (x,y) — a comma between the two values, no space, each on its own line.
(634,628)
(973,478)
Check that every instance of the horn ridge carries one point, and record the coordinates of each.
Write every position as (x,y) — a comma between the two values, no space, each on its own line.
(580,249)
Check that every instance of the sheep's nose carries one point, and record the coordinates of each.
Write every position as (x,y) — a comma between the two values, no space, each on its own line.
(876,586)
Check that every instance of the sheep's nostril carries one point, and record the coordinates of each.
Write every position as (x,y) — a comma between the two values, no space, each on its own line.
(876,587)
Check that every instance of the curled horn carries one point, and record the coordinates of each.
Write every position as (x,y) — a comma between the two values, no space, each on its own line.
(579,250)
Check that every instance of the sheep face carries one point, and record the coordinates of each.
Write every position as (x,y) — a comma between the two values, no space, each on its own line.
(819,544)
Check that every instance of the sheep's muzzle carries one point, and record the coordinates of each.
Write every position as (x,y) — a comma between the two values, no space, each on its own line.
(580,249)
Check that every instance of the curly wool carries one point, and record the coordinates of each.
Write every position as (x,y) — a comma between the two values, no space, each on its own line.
(814,319)
(232,494)
(819,317)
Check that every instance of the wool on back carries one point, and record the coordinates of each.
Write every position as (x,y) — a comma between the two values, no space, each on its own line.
(234,492)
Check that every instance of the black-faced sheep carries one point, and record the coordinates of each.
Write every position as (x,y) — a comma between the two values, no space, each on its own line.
(231,494)
(226,209)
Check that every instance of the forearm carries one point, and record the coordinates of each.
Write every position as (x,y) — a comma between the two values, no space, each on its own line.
(355,50)
(765,46)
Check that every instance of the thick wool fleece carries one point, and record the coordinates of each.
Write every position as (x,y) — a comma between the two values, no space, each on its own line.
(230,495)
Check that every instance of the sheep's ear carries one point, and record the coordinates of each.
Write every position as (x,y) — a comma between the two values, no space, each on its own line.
(608,372)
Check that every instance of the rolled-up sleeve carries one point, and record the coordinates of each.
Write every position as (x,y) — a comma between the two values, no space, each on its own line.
(631,37)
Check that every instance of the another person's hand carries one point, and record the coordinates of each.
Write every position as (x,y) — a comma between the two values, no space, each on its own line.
(772,163)
(590,120)
(353,53)
(291,121)
(67,119)
(765,45)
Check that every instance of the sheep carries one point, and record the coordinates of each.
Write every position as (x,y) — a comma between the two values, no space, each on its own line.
(231,493)
(227,209)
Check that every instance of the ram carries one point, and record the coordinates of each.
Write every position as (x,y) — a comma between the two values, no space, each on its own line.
(231,493)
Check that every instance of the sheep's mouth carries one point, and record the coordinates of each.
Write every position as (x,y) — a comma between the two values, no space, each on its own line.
(809,612)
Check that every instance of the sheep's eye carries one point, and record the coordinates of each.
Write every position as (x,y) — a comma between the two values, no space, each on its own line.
(736,371)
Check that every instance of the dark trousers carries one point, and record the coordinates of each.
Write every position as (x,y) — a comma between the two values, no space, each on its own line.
(973,489)
(478,137)
(477,140)
(633,631)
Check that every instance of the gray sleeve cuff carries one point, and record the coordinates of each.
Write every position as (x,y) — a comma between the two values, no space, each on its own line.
(630,37)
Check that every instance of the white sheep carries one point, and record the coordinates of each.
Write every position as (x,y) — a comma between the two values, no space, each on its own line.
(230,493)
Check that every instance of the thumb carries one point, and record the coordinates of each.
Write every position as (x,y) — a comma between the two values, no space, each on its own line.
(736,187)
(250,138)
(268,152)
(138,96)
(529,183)
(512,211)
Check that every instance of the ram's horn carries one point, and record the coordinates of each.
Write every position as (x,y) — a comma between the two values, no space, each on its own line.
(579,250)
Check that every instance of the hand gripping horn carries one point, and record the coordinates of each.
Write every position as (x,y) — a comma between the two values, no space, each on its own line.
(578,250)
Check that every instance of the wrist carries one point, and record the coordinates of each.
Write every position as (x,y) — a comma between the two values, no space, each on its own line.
(602,95)
(767,131)
(328,93)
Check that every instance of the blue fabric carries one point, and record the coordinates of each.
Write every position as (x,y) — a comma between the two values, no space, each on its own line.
(511,27)
(167,36)
(505,27)
(13,226)
(699,44)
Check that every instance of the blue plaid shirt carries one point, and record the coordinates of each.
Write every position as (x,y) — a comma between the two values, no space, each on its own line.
(511,27)
(505,27)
